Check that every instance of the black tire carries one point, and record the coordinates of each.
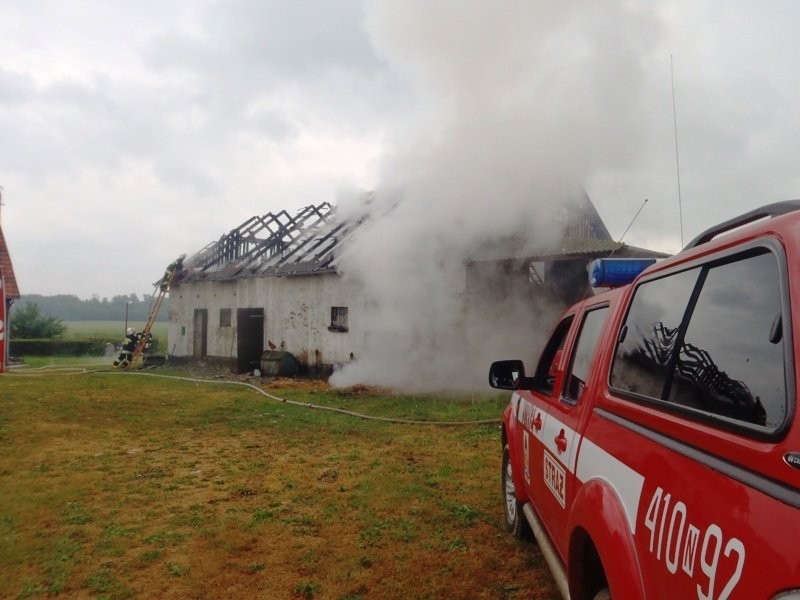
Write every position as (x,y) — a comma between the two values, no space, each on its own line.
(516,524)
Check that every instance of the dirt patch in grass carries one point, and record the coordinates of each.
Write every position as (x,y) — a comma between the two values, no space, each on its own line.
(288,383)
(361,390)
(123,487)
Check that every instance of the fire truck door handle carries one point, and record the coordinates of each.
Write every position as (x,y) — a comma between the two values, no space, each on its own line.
(537,422)
(561,442)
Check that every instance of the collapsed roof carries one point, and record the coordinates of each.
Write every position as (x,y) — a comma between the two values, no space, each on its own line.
(278,244)
(274,244)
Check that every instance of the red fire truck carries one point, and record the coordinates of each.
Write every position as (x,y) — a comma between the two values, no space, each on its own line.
(654,451)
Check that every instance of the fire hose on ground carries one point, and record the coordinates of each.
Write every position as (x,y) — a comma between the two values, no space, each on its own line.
(66,370)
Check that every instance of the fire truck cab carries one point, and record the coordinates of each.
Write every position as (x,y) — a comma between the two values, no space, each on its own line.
(654,450)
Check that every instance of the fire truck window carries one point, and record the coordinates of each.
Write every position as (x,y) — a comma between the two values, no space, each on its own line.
(731,362)
(649,334)
(710,340)
(545,377)
(584,350)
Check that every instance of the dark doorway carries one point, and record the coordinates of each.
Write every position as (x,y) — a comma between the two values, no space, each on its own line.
(250,338)
(200,341)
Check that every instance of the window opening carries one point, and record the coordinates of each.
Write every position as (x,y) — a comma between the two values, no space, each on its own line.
(546,371)
(584,351)
(338,319)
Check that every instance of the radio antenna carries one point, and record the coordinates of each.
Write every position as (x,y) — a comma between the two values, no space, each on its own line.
(636,216)
(677,161)
(589,288)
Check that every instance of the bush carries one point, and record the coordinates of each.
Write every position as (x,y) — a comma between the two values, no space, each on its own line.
(29,323)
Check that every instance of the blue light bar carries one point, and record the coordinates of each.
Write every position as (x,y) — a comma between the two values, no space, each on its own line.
(614,272)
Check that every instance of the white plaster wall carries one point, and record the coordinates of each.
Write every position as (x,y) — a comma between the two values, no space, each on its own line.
(297,313)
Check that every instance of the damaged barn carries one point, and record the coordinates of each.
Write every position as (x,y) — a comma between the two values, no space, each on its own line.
(269,284)
(276,283)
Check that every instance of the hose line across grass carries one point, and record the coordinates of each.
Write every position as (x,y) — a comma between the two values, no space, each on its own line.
(65,370)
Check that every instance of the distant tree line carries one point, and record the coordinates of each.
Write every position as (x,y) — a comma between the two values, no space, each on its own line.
(71,308)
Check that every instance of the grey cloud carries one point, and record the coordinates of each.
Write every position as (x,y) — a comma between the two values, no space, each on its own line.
(261,43)
(192,95)
(318,51)
(15,88)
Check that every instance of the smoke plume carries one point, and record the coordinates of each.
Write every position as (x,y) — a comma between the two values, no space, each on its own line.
(518,103)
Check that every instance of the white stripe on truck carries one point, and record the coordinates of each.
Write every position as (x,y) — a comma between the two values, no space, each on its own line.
(595,463)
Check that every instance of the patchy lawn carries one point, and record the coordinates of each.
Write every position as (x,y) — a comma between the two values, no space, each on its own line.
(128,486)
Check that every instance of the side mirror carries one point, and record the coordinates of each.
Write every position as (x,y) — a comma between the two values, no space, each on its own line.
(508,375)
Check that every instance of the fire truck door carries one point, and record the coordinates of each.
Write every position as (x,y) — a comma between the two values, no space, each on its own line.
(560,435)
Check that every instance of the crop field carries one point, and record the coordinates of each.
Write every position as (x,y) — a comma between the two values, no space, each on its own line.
(114,331)
(134,485)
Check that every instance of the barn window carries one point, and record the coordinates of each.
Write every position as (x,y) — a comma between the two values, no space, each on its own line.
(338,318)
(224,317)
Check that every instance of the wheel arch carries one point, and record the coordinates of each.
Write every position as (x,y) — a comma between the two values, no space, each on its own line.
(510,432)
(601,538)
(586,571)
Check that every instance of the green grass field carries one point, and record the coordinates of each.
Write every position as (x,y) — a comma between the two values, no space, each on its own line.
(126,485)
(113,330)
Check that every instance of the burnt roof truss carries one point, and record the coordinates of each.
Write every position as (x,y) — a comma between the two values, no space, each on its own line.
(274,244)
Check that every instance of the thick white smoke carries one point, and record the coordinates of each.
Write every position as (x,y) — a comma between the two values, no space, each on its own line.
(519,101)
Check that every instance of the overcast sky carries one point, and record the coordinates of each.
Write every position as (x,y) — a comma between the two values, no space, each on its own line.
(134,132)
